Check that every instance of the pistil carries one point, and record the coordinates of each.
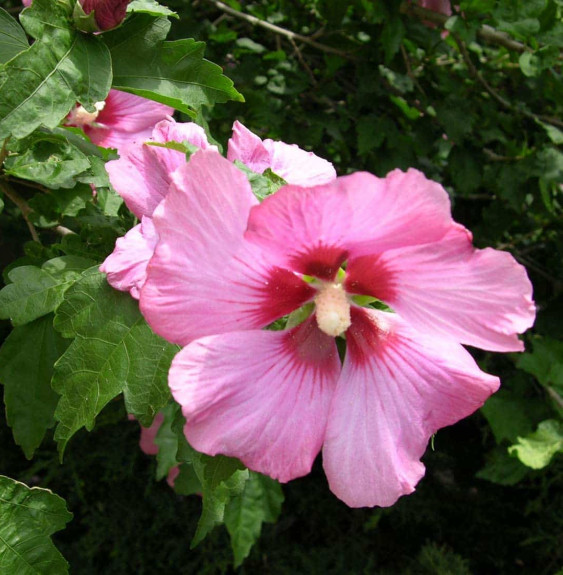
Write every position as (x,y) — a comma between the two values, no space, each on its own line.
(332,309)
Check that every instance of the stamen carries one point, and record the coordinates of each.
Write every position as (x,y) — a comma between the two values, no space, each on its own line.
(81,117)
(332,309)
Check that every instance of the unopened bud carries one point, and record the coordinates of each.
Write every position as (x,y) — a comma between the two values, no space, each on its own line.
(107,14)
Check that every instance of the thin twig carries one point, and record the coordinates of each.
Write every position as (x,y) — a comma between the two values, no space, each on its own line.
(278,30)
(502,101)
(302,62)
(410,73)
(555,396)
(7,190)
(485,32)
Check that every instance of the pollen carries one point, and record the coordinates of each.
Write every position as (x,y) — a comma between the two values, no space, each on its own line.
(332,309)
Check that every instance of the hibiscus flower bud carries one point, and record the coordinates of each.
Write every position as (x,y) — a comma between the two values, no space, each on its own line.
(103,14)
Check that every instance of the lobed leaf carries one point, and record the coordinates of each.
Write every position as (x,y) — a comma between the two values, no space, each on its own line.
(173,73)
(28,518)
(537,449)
(41,84)
(114,351)
(35,292)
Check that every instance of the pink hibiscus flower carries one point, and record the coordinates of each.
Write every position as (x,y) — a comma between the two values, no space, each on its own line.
(119,120)
(225,267)
(142,176)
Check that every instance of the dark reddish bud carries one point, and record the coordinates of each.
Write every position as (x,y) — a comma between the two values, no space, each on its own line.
(108,13)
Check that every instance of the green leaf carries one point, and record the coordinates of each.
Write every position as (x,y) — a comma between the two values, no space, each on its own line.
(38,291)
(553,133)
(545,362)
(150,7)
(27,519)
(502,469)
(534,64)
(40,85)
(167,442)
(173,73)
(114,351)
(221,478)
(508,415)
(263,185)
(537,449)
(260,502)
(50,160)
(26,367)
(12,38)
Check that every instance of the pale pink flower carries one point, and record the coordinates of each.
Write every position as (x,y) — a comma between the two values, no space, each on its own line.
(294,165)
(26,3)
(142,176)
(119,120)
(226,266)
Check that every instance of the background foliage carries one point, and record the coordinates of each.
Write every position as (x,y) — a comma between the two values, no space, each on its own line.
(473,100)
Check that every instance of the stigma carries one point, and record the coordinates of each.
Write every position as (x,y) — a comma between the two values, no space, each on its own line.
(332,309)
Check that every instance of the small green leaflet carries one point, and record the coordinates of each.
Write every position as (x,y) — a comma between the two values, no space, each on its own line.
(114,351)
(150,7)
(41,84)
(537,449)
(12,37)
(260,502)
(173,73)
(263,185)
(28,517)
(26,367)
(38,291)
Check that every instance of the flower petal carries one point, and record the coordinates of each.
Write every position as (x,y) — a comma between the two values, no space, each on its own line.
(260,396)
(294,165)
(130,113)
(203,278)
(479,297)
(354,215)
(397,387)
(126,266)
(141,176)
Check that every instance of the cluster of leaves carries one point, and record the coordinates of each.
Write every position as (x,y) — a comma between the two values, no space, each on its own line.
(474,100)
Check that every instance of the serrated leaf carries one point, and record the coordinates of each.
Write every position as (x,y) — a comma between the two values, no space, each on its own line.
(260,502)
(27,519)
(537,449)
(38,291)
(40,85)
(26,367)
(150,7)
(173,73)
(114,351)
(12,37)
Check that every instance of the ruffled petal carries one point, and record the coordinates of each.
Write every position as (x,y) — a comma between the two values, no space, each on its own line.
(148,435)
(397,387)
(289,161)
(477,297)
(204,279)
(260,396)
(141,176)
(352,216)
(248,148)
(126,266)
